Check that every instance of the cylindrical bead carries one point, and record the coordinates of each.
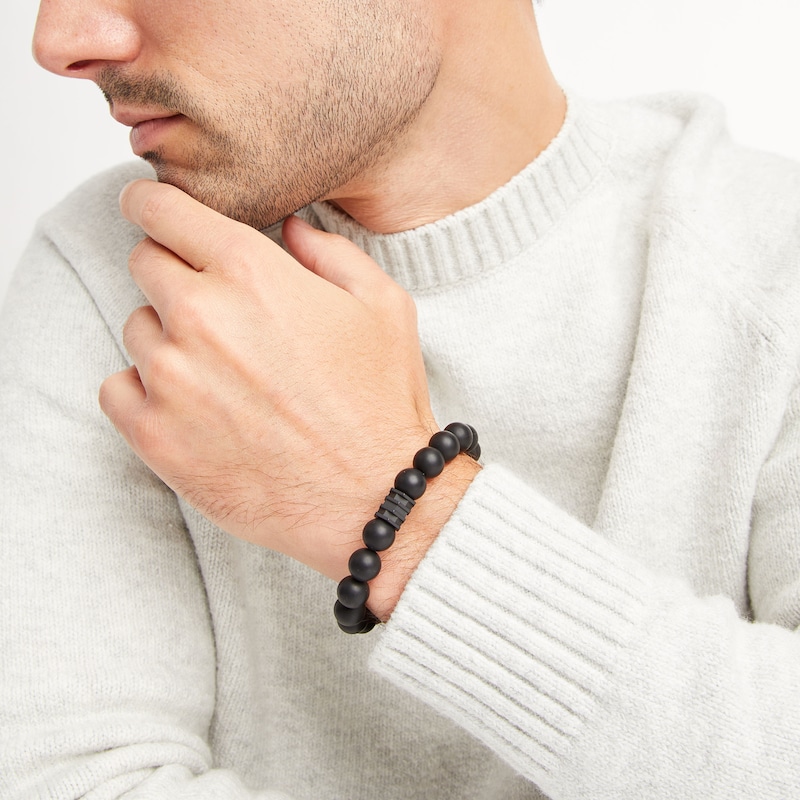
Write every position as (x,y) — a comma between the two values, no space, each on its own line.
(394,509)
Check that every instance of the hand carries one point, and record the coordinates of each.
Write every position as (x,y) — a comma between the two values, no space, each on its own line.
(279,396)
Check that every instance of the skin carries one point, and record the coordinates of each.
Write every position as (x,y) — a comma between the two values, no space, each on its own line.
(264,142)
(278,361)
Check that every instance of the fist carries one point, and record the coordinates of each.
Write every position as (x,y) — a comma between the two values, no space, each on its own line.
(278,394)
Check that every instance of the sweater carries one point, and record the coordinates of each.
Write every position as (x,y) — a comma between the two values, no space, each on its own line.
(610,611)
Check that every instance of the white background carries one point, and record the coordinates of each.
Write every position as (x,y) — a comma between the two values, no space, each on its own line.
(55,132)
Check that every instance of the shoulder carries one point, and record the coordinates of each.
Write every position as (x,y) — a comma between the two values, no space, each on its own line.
(727,214)
(87,231)
(700,171)
(89,218)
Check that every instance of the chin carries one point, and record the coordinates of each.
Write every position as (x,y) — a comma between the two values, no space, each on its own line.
(244,201)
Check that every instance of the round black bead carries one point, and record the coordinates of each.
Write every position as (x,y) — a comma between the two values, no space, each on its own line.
(411,482)
(364,564)
(474,451)
(348,616)
(446,443)
(429,461)
(464,433)
(365,626)
(352,593)
(378,535)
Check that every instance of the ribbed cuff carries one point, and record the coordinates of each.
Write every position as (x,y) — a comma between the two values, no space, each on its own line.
(513,622)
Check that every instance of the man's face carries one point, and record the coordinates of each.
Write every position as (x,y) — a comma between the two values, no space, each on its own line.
(255,107)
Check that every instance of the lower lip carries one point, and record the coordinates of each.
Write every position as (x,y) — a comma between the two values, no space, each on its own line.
(148,135)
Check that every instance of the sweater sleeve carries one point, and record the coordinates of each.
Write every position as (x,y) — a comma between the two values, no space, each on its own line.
(107,655)
(591,675)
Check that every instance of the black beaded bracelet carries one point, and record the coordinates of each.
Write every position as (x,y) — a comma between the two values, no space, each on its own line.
(351,610)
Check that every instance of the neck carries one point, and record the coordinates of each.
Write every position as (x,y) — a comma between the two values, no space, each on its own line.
(494,108)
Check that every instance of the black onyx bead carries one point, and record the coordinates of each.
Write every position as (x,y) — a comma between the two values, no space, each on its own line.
(378,535)
(365,626)
(429,461)
(348,616)
(411,482)
(352,593)
(364,564)
(474,451)
(446,443)
(464,433)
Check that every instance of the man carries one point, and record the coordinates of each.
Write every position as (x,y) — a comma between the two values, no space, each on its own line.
(604,608)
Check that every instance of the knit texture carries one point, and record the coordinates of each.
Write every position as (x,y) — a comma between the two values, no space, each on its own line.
(609,613)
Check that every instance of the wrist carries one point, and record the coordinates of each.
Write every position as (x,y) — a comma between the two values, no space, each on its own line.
(418,533)
(364,597)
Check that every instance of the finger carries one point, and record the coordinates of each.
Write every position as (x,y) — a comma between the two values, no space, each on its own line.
(337,260)
(160,274)
(200,236)
(141,333)
(122,396)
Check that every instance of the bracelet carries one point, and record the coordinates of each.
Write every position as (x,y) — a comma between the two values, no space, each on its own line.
(351,610)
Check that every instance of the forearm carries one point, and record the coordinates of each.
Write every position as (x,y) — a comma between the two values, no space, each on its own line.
(418,532)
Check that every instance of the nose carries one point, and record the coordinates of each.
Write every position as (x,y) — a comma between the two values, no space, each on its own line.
(77,38)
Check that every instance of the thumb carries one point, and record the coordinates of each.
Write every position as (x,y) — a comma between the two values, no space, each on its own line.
(336,260)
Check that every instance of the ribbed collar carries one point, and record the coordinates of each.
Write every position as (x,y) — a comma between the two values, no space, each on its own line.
(475,239)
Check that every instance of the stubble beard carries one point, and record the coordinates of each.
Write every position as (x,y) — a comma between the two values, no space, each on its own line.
(266,155)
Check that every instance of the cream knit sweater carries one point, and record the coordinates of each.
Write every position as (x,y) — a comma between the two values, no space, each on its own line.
(608,614)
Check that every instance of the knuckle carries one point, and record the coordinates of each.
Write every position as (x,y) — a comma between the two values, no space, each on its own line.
(186,314)
(140,256)
(156,204)
(237,252)
(133,324)
(147,438)
(406,304)
(163,369)
(105,397)
(402,305)
(128,335)
(111,397)
(230,250)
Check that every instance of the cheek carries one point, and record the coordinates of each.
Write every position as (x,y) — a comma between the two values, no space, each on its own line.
(191,38)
